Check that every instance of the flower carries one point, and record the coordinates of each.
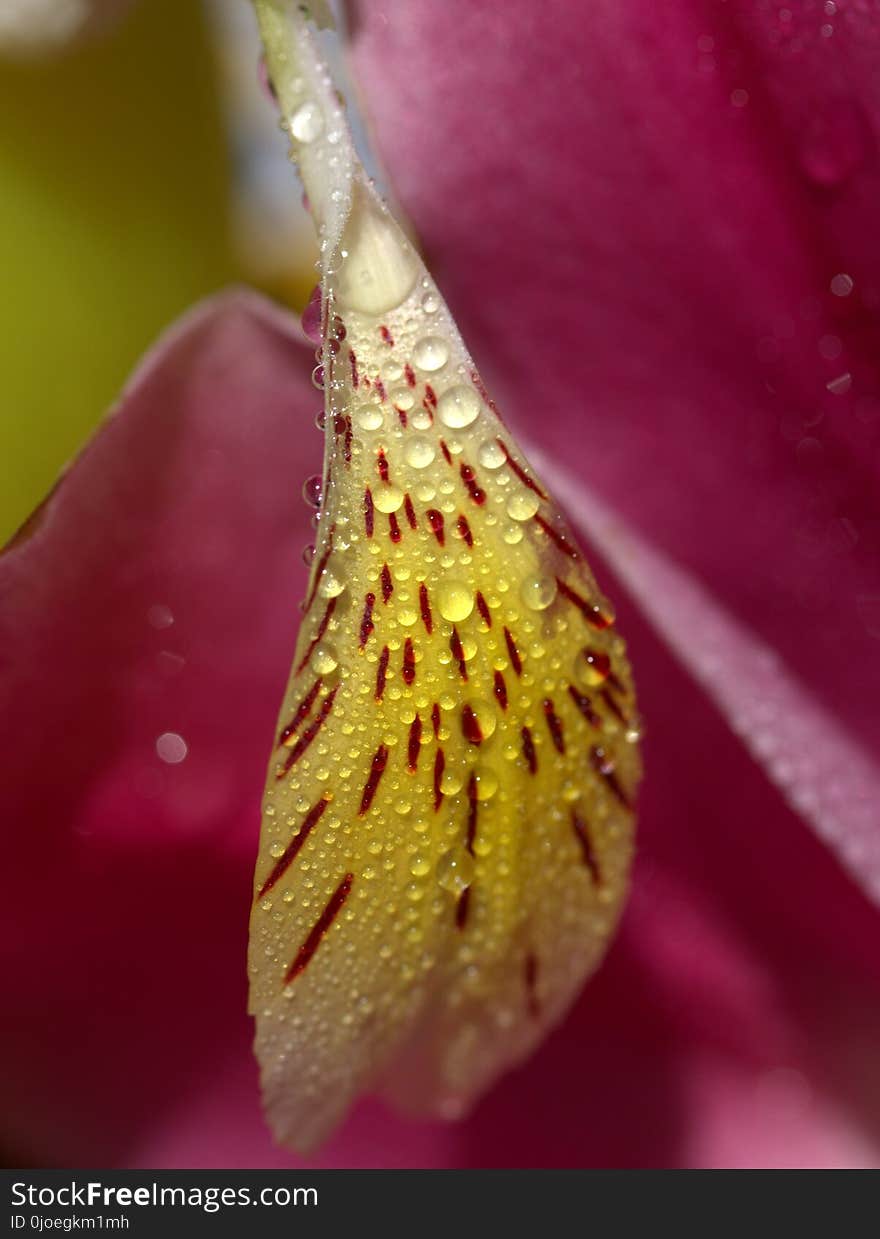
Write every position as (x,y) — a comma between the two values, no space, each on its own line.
(149,614)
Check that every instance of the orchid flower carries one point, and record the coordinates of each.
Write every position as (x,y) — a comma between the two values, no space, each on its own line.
(150,607)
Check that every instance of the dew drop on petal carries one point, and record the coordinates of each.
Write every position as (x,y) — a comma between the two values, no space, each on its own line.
(458,406)
(537,592)
(430,353)
(171,747)
(307,122)
(455,600)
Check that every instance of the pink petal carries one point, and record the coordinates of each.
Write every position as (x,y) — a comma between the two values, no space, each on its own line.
(651,205)
(733,1023)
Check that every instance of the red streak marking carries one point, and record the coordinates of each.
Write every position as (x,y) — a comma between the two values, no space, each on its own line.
(414,745)
(430,396)
(554,726)
(473,732)
(515,660)
(435,720)
(386,336)
(458,652)
(583,703)
(309,734)
(382,465)
(287,858)
(582,834)
(463,529)
(615,683)
(401,414)
(599,662)
(387,583)
(326,919)
(447,455)
(612,705)
(368,512)
(377,769)
(435,520)
(409,661)
(301,711)
(380,388)
(410,511)
(425,608)
(322,628)
(561,542)
(528,748)
(367,624)
(348,438)
(481,388)
(439,767)
(355,377)
(500,690)
(469,478)
(483,608)
(604,766)
(531,980)
(520,471)
(410,376)
(394,528)
(428,410)
(461,908)
(472,814)
(591,613)
(322,564)
(382,671)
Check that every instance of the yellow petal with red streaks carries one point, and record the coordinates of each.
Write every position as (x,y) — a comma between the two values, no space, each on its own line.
(448,820)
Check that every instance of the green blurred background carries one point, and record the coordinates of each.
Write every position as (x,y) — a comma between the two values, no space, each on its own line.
(115,215)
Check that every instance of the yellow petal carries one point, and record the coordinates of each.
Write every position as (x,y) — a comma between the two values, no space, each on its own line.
(448,818)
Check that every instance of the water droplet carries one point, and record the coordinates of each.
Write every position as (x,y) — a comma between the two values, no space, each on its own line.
(159,616)
(455,871)
(419,866)
(430,353)
(455,601)
(330,585)
(592,667)
(739,97)
(430,304)
(308,554)
(387,498)
(311,491)
(171,747)
(421,419)
(369,417)
(522,505)
(401,398)
(537,592)
(840,385)
(458,406)
(307,122)
(419,453)
(324,659)
(318,378)
(842,284)
(311,316)
(484,715)
(485,782)
(491,454)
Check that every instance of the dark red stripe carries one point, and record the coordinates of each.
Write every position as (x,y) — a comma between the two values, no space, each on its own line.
(462,908)
(439,767)
(409,661)
(515,660)
(591,613)
(322,628)
(414,744)
(531,979)
(309,734)
(352,360)
(473,732)
(469,477)
(519,471)
(348,437)
(561,542)
(554,726)
(583,703)
(382,671)
(368,512)
(435,520)
(401,416)
(612,705)
(483,608)
(500,690)
(430,396)
(463,529)
(386,336)
(425,607)
(377,769)
(410,511)
(326,919)
(447,455)
(582,834)
(410,376)
(435,720)
(393,527)
(599,662)
(287,858)
(458,652)
(301,711)
(472,814)
(367,625)
(604,766)
(528,748)
(322,564)
(380,388)
(387,583)
(382,465)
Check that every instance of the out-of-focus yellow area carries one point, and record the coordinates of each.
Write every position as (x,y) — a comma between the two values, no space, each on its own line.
(113,218)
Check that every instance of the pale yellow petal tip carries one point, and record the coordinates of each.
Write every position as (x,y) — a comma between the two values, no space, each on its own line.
(448,819)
